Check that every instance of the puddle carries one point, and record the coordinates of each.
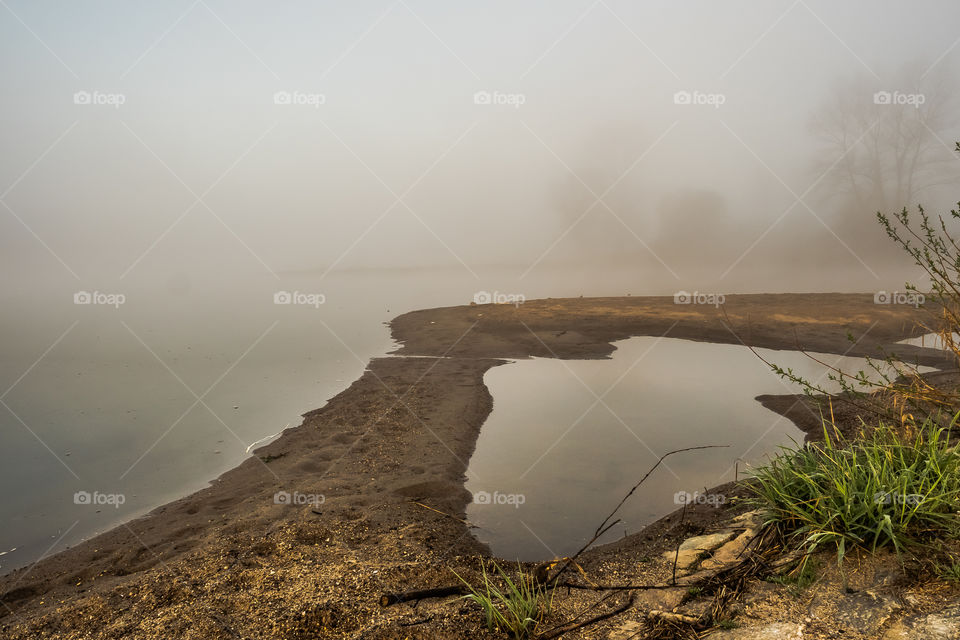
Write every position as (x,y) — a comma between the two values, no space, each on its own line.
(568,438)
(929,340)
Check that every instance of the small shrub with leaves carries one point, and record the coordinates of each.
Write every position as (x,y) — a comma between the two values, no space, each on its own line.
(891,388)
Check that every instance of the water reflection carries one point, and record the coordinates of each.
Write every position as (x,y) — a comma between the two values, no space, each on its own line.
(568,438)
(104,399)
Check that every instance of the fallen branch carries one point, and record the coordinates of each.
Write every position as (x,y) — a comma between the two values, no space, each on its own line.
(622,587)
(443,513)
(675,618)
(388,599)
(558,631)
(606,525)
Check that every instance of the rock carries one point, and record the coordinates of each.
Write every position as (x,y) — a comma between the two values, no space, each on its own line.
(692,549)
(943,625)
(729,553)
(774,631)
(749,520)
(685,559)
(697,608)
(664,599)
(629,630)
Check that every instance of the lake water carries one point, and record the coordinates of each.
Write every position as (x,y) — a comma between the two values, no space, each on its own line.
(930,341)
(568,438)
(104,399)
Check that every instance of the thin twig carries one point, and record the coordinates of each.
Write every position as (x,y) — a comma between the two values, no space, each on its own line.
(556,632)
(606,524)
(420,504)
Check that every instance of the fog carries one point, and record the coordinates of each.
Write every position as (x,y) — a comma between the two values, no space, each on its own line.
(199,158)
(188,171)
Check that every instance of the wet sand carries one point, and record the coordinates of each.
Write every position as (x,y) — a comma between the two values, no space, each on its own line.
(388,455)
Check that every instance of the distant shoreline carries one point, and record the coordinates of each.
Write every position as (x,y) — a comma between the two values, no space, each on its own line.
(403,434)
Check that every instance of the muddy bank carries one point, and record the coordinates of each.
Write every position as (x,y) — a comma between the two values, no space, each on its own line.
(380,469)
(586,327)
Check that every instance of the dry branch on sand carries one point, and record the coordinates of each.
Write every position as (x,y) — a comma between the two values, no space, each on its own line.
(759,556)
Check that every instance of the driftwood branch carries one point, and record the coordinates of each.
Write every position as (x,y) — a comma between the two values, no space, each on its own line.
(571,625)
(444,513)
(622,587)
(675,618)
(388,599)
(607,524)
(542,575)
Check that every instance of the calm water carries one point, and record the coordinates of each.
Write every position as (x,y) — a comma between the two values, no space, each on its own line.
(552,460)
(930,341)
(101,399)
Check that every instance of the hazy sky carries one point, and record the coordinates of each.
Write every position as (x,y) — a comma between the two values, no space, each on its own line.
(199,157)
(143,138)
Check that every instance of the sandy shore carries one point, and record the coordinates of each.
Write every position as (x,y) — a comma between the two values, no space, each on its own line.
(230,562)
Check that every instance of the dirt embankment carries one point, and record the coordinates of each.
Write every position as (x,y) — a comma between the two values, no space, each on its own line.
(388,456)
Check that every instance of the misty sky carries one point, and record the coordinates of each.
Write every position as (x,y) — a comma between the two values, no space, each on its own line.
(147,139)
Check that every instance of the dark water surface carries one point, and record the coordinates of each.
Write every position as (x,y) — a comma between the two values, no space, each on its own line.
(104,400)
(568,438)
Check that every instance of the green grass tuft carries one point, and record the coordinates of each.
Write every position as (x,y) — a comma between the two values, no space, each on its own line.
(518,607)
(884,491)
(949,571)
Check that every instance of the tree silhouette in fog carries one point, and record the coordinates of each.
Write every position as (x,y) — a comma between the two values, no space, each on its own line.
(883,141)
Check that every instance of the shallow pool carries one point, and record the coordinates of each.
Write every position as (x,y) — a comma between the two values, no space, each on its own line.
(568,438)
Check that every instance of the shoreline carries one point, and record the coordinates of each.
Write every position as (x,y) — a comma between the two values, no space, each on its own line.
(401,434)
